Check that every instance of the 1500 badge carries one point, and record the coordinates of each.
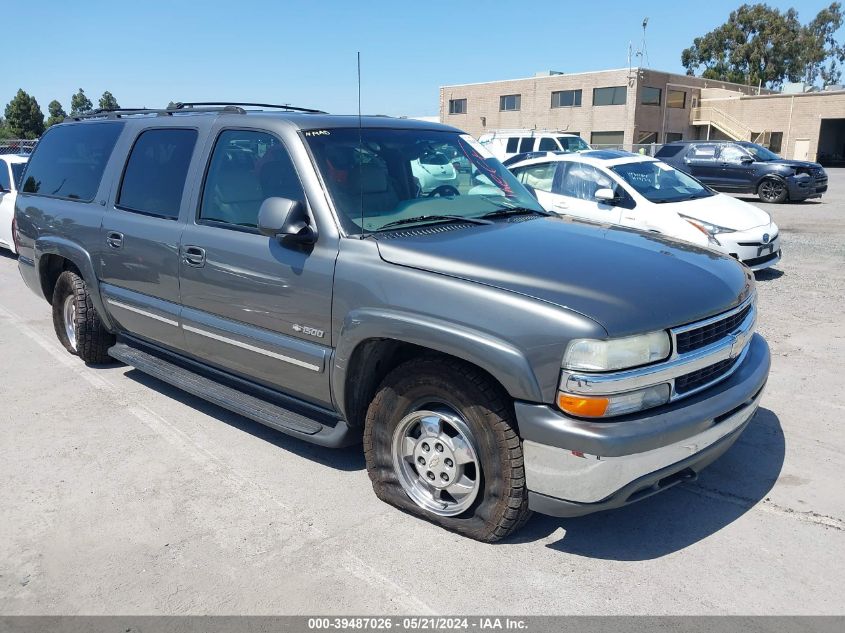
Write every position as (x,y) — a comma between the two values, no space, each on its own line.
(309,331)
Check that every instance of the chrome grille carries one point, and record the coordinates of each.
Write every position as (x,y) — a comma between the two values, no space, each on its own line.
(694,380)
(697,338)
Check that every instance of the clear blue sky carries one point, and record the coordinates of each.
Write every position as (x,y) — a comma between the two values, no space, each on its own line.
(148,53)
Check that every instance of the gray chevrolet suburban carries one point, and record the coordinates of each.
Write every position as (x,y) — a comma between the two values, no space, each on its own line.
(285,264)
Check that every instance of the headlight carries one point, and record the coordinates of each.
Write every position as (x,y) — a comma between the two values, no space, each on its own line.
(709,229)
(585,354)
(614,404)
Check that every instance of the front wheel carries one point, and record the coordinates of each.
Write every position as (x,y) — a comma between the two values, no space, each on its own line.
(440,443)
(76,322)
(772,190)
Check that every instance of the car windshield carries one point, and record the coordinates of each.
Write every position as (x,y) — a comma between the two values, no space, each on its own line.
(658,182)
(760,153)
(572,143)
(385,178)
(17,172)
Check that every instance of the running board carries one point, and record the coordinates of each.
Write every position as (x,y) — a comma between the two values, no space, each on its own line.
(244,404)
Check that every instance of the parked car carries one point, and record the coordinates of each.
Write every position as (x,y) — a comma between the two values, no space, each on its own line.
(742,167)
(436,172)
(641,192)
(491,356)
(505,144)
(11,167)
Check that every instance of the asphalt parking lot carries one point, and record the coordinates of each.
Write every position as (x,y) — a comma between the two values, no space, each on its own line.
(121,495)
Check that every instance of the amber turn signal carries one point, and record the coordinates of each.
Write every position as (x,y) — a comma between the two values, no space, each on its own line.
(584,407)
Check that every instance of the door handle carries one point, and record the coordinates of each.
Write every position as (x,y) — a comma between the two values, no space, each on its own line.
(194,256)
(114,239)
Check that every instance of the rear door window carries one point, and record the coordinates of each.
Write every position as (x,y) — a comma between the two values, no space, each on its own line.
(540,176)
(154,178)
(548,145)
(69,160)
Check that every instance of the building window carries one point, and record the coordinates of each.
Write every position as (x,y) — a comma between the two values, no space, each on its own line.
(457,106)
(607,138)
(609,96)
(676,99)
(776,141)
(646,138)
(650,96)
(509,102)
(671,137)
(566,99)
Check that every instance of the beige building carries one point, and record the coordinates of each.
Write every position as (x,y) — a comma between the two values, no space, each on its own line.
(630,107)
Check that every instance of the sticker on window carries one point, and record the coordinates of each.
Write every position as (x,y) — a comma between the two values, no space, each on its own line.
(478,147)
(317,133)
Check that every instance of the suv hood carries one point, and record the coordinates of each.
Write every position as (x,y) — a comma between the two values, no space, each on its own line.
(724,211)
(628,281)
(794,163)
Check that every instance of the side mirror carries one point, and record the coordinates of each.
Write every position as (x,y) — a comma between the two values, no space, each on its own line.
(746,160)
(286,220)
(605,195)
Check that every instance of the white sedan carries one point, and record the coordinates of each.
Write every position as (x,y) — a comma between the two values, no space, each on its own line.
(11,168)
(435,173)
(641,192)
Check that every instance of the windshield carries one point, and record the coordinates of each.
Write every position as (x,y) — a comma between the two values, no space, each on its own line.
(658,182)
(760,153)
(379,177)
(572,143)
(17,172)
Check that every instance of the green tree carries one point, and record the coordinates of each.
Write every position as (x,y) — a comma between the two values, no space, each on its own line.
(79,103)
(108,102)
(4,130)
(762,45)
(57,113)
(24,118)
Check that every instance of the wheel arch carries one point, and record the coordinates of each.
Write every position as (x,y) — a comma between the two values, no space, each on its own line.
(374,342)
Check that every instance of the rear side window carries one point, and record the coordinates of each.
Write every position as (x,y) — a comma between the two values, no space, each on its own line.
(526,144)
(69,160)
(511,148)
(5,179)
(667,151)
(548,145)
(246,168)
(155,173)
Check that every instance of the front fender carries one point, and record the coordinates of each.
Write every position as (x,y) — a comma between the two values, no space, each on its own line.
(73,252)
(499,358)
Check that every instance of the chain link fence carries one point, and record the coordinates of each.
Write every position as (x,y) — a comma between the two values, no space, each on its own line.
(17,146)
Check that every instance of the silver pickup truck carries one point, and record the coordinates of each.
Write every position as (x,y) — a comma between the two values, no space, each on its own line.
(287,265)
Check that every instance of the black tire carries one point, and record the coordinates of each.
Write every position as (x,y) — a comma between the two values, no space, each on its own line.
(92,339)
(772,190)
(501,505)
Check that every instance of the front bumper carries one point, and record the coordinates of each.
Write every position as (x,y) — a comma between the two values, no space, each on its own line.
(757,248)
(805,186)
(576,466)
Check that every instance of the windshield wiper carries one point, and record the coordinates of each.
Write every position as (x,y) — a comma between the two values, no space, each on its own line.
(434,218)
(510,211)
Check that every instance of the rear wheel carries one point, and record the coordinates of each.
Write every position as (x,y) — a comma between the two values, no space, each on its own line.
(440,443)
(76,322)
(772,190)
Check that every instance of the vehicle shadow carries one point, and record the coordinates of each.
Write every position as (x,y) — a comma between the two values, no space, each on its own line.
(683,515)
(345,459)
(768,274)
(7,254)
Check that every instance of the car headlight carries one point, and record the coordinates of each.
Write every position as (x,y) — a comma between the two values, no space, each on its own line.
(585,354)
(708,228)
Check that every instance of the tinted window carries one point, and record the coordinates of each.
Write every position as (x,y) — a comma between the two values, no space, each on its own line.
(247,168)
(512,144)
(572,143)
(674,136)
(650,96)
(548,145)
(526,144)
(609,96)
(676,99)
(5,178)
(566,99)
(457,106)
(69,160)
(510,102)
(155,172)
(607,138)
(668,151)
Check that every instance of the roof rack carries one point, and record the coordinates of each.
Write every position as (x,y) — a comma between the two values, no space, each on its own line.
(185,108)
(286,106)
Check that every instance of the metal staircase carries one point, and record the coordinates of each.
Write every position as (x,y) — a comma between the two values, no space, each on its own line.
(725,123)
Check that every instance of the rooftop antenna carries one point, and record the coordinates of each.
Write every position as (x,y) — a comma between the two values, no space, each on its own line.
(643,53)
(360,147)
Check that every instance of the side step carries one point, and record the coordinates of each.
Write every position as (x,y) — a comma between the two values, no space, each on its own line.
(244,404)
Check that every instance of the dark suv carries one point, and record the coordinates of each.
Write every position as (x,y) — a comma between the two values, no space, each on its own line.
(743,167)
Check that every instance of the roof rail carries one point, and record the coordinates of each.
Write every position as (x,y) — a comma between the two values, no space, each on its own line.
(286,106)
(116,113)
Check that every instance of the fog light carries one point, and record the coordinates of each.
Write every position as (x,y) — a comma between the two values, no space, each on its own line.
(616,404)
